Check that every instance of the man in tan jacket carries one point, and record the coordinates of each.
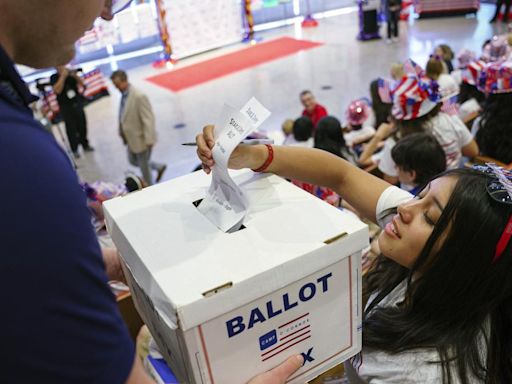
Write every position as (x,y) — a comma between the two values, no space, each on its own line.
(137,127)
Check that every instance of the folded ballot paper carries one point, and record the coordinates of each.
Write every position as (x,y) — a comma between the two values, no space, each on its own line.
(225,204)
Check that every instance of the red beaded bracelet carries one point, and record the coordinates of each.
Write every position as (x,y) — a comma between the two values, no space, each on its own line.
(267,162)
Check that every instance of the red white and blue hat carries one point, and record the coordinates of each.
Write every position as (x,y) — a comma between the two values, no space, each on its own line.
(471,73)
(416,95)
(496,78)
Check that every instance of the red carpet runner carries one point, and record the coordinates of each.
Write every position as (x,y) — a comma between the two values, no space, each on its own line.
(179,79)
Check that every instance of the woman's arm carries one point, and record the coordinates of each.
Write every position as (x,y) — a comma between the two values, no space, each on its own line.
(383,132)
(360,189)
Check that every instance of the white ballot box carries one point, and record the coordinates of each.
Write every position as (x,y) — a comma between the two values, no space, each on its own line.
(224,307)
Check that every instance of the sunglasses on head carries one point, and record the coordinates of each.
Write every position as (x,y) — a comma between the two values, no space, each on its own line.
(499,184)
(499,188)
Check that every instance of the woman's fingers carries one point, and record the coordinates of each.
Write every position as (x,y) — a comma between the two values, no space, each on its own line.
(209,137)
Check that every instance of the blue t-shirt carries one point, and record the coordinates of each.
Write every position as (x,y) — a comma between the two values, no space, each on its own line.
(59,323)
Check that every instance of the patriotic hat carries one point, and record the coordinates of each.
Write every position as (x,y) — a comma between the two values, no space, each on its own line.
(416,95)
(357,112)
(496,78)
(497,50)
(471,73)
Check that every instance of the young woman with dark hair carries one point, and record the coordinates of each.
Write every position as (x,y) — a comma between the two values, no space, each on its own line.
(494,128)
(440,296)
(329,137)
(381,110)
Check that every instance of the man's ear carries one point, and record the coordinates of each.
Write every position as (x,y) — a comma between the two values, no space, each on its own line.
(413,175)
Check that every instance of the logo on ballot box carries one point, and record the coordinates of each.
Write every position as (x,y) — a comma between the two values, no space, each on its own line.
(268,339)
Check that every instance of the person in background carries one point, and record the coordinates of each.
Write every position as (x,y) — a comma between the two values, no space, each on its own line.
(393,8)
(287,129)
(302,133)
(381,109)
(312,109)
(446,53)
(448,88)
(499,5)
(470,99)
(63,324)
(329,138)
(137,127)
(397,72)
(66,84)
(418,158)
(357,130)
(493,128)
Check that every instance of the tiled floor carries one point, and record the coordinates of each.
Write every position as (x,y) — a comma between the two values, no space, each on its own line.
(342,63)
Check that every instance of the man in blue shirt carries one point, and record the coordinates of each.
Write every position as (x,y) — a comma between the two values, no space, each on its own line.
(60,323)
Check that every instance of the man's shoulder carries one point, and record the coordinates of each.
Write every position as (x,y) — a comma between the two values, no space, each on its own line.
(136,92)
(321,108)
(21,136)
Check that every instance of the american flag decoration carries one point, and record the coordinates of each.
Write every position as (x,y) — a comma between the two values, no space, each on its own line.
(384,91)
(95,85)
(496,78)
(471,73)
(89,37)
(412,68)
(416,95)
(450,106)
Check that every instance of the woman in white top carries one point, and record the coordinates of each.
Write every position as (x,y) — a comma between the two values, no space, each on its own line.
(440,308)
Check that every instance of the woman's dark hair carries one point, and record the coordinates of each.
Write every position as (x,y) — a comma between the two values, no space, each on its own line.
(494,136)
(421,124)
(420,152)
(303,128)
(329,136)
(381,110)
(457,301)
(468,91)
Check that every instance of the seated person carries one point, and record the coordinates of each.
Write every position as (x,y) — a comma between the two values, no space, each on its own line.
(418,158)
(445,52)
(381,108)
(312,109)
(358,129)
(448,87)
(302,133)
(328,137)
(287,128)
(493,129)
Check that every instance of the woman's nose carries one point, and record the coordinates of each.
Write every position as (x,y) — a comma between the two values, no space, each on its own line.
(406,212)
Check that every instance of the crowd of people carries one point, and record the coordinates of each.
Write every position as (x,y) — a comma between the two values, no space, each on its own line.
(461,106)
(438,298)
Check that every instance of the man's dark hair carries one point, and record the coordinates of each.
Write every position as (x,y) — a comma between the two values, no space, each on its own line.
(119,74)
(303,128)
(305,92)
(420,152)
